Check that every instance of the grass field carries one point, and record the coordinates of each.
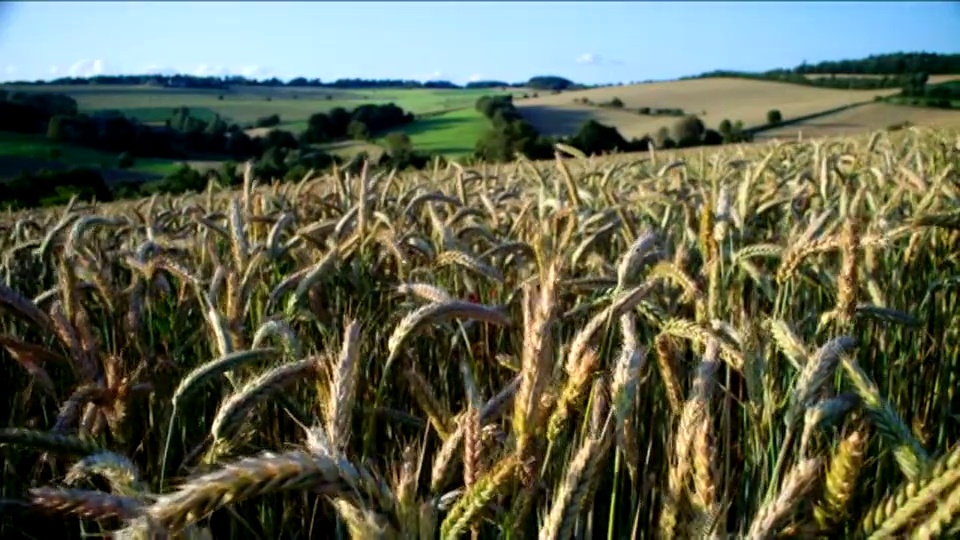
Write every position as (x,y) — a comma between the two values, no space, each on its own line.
(865,118)
(730,98)
(246,104)
(30,152)
(742,344)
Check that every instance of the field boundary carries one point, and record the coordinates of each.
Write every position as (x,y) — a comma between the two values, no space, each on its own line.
(813,116)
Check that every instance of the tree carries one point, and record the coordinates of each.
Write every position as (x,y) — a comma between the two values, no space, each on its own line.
(267,121)
(357,130)
(280,139)
(549,82)
(217,127)
(663,139)
(398,144)
(688,131)
(55,128)
(185,178)
(736,134)
(712,137)
(774,116)
(616,103)
(594,138)
(228,173)
(125,160)
(339,122)
(725,127)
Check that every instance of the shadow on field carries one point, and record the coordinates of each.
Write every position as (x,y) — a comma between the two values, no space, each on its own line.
(424,125)
(552,120)
(11,166)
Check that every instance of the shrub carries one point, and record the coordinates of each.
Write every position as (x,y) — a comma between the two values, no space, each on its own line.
(267,121)
(774,116)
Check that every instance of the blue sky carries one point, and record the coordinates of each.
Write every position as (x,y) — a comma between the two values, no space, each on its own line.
(587,42)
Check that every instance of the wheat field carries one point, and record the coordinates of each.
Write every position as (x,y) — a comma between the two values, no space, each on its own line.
(760,341)
(721,98)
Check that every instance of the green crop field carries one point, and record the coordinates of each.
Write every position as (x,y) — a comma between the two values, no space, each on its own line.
(451,134)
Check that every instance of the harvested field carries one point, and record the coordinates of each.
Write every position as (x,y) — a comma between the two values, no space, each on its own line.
(730,98)
(869,117)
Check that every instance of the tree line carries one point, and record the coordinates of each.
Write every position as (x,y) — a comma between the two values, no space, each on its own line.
(907,71)
(210,82)
(891,63)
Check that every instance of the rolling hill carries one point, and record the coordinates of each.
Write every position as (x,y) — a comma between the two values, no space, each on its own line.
(713,99)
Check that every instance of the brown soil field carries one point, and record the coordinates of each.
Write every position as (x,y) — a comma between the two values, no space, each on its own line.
(730,98)
(869,117)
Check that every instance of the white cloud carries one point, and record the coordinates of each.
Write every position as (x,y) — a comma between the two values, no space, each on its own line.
(589,59)
(436,75)
(253,71)
(204,70)
(155,69)
(54,70)
(475,77)
(7,72)
(86,68)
